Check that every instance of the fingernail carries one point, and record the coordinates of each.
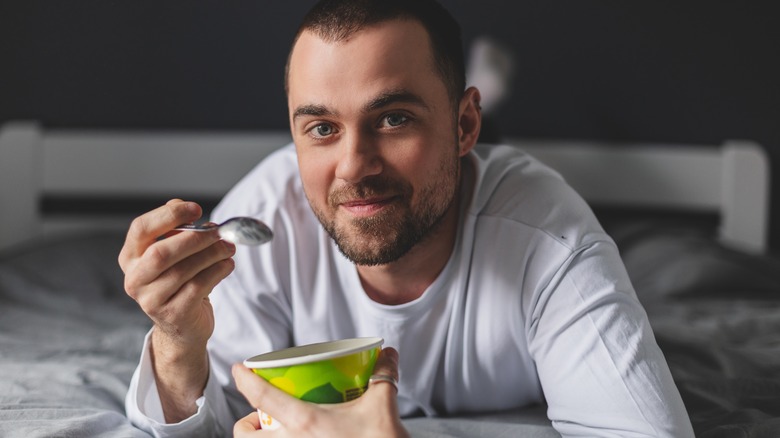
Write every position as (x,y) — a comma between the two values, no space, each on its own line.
(191,207)
(391,354)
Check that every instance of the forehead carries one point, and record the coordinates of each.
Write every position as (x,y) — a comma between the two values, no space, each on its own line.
(390,55)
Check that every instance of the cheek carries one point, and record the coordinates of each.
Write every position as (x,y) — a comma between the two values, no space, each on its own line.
(315,177)
(422,170)
(425,159)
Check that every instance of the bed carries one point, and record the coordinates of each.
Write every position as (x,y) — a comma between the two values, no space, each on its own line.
(691,222)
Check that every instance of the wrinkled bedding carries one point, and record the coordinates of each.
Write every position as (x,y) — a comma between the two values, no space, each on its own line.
(715,313)
(70,338)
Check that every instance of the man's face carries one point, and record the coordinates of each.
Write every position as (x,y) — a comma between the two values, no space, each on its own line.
(376,138)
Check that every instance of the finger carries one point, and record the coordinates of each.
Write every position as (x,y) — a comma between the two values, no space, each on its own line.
(164,254)
(387,363)
(145,229)
(187,269)
(171,305)
(246,425)
(201,285)
(175,231)
(262,394)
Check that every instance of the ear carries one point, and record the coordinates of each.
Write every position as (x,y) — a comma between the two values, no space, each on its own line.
(469,120)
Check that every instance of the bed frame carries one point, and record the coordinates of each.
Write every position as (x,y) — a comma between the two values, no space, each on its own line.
(55,180)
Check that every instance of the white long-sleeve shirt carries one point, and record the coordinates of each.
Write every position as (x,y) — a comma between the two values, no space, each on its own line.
(533,306)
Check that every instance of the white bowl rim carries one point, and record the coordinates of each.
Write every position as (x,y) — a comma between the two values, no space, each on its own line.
(309,353)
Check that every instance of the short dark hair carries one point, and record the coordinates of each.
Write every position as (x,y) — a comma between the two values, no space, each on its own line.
(337,20)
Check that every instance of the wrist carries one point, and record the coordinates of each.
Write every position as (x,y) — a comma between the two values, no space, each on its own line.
(169,350)
(181,375)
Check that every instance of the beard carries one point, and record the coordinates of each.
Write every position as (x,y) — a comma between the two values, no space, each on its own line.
(392,232)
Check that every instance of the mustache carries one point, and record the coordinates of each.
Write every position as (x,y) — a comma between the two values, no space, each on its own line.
(367,188)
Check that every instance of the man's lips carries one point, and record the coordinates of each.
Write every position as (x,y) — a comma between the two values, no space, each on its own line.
(366,207)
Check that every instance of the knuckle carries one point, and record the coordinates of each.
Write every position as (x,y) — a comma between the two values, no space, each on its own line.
(122,260)
(177,210)
(205,281)
(190,287)
(171,211)
(146,304)
(137,227)
(175,273)
(133,282)
(132,287)
(156,257)
(156,310)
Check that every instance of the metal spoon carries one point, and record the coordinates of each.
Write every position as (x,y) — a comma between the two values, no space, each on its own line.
(243,230)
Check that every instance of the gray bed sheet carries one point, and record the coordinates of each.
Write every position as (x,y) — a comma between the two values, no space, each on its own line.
(70,339)
(715,312)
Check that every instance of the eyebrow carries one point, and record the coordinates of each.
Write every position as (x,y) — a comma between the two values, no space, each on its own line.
(394,96)
(381,101)
(312,110)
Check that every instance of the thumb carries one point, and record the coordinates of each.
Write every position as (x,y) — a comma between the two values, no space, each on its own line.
(261,394)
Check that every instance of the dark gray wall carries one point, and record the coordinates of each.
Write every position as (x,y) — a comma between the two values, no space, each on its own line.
(633,71)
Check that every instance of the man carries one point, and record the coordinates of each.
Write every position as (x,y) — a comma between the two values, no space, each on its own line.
(480,266)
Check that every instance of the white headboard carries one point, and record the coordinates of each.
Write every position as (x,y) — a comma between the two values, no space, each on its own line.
(67,164)
(731,179)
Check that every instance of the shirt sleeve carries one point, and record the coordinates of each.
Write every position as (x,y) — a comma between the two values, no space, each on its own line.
(144,408)
(600,367)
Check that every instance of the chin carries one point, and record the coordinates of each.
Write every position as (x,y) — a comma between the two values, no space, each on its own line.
(371,250)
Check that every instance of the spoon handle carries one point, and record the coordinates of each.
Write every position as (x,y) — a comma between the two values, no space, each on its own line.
(192,227)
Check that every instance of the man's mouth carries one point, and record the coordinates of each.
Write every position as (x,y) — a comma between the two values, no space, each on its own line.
(366,207)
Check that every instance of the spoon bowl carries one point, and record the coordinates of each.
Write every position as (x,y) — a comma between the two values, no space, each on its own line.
(241,230)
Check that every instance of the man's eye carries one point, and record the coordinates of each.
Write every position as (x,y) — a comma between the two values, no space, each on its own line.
(395,119)
(323,130)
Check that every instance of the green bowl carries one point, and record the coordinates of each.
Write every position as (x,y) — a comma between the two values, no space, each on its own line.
(326,372)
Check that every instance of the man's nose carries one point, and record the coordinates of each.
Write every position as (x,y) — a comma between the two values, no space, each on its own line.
(359,158)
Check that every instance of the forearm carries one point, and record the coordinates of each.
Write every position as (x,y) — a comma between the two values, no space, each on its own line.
(602,372)
(181,376)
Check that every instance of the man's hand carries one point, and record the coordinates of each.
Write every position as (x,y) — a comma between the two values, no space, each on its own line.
(171,280)
(374,414)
